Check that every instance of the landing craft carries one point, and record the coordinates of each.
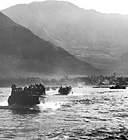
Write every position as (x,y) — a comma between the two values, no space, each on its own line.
(117,86)
(27,97)
(65,90)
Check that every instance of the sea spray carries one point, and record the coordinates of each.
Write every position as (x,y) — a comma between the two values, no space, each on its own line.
(51,105)
(4,103)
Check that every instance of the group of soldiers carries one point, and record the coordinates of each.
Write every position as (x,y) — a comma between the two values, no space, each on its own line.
(37,89)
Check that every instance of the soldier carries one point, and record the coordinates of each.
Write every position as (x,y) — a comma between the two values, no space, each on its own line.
(13,88)
(42,89)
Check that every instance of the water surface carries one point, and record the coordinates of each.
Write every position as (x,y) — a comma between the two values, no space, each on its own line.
(88,113)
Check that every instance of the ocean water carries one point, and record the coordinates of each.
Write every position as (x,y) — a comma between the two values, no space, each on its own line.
(87,114)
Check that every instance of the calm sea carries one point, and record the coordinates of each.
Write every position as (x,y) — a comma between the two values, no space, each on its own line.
(87,114)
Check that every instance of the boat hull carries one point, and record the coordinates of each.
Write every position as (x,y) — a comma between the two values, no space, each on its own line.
(23,100)
(64,90)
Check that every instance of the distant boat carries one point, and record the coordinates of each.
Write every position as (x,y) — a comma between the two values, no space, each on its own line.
(101,86)
(54,87)
(117,86)
(65,90)
(47,88)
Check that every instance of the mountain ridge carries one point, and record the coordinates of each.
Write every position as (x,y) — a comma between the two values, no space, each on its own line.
(23,52)
(91,36)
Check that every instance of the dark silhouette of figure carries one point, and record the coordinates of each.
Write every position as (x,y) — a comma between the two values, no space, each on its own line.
(13,88)
(42,89)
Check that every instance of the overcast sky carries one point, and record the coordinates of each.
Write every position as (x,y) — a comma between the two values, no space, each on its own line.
(103,6)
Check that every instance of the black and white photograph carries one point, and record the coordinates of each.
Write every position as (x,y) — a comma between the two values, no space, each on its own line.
(63,69)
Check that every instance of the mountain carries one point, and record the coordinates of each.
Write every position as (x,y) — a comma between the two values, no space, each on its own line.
(97,38)
(23,53)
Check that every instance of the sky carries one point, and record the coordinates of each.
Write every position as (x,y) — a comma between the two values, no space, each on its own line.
(103,6)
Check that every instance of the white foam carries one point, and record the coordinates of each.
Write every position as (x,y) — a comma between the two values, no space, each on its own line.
(51,105)
(3,103)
